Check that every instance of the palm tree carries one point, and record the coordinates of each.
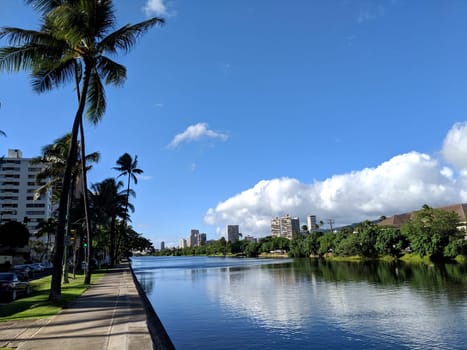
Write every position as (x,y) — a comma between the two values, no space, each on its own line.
(72,31)
(55,156)
(46,227)
(127,167)
(108,203)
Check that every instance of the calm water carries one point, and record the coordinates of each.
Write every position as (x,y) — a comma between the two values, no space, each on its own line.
(229,303)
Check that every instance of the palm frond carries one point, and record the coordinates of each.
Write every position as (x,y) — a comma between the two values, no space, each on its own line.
(113,72)
(68,23)
(95,99)
(125,37)
(93,157)
(44,6)
(18,36)
(135,179)
(132,209)
(103,19)
(46,78)
(13,59)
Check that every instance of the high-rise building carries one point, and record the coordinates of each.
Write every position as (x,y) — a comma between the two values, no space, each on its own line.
(202,239)
(285,226)
(250,239)
(193,240)
(162,245)
(311,223)
(183,243)
(233,233)
(18,197)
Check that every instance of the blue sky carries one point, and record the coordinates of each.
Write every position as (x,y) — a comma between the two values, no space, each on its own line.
(240,111)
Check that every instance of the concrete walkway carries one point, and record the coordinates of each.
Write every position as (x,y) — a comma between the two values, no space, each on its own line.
(109,315)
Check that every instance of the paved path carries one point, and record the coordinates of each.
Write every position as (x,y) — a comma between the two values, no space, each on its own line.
(109,315)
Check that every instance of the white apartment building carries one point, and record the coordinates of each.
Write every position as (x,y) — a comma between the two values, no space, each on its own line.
(233,233)
(285,226)
(183,243)
(311,223)
(18,198)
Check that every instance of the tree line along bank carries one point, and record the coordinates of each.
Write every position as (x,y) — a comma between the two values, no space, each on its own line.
(430,233)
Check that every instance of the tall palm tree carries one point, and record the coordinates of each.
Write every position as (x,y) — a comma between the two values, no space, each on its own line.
(127,167)
(72,31)
(55,156)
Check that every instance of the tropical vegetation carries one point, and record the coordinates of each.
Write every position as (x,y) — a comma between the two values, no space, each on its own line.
(72,44)
(431,233)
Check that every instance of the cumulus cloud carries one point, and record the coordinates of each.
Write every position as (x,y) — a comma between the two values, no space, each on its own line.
(455,146)
(401,184)
(195,133)
(155,7)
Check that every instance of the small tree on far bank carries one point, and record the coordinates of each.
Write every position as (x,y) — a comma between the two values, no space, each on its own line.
(429,231)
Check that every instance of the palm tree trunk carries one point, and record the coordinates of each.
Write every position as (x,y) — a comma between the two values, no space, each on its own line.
(112,242)
(87,279)
(67,231)
(56,286)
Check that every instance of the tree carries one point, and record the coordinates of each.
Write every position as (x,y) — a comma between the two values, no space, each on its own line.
(108,203)
(390,241)
(71,32)
(48,228)
(54,157)
(129,168)
(327,243)
(429,231)
(14,234)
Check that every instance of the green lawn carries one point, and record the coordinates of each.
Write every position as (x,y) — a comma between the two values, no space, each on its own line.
(37,305)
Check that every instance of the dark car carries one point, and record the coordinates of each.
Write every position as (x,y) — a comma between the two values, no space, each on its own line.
(24,271)
(11,285)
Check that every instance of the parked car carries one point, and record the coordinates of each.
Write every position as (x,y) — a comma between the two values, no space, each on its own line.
(24,271)
(12,285)
(37,267)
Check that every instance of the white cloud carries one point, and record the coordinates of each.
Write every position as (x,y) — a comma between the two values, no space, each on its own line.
(455,146)
(145,177)
(155,7)
(401,184)
(195,133)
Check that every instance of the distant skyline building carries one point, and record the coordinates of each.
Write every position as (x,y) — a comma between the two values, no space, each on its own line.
(162,245)
(183,243)
(285,226)
(250,239)
(311,223)
(233,233)
(202,238)
(193,240)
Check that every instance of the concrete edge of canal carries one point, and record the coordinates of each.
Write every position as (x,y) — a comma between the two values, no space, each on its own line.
(160,338)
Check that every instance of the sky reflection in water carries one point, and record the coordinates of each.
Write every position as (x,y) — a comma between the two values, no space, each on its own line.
(230,303)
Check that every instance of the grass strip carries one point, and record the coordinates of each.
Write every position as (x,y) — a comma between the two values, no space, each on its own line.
(37,305)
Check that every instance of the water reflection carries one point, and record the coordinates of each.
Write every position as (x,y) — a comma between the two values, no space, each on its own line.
(261,295)
(295,303)
(401,303)
(146,280)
